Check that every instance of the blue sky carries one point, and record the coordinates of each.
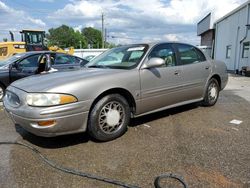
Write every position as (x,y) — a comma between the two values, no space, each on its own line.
(129,21)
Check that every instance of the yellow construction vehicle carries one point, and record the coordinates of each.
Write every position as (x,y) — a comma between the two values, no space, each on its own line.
(32,40)
(57,49)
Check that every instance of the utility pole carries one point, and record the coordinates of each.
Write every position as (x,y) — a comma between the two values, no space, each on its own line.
(102,30)
(105,41)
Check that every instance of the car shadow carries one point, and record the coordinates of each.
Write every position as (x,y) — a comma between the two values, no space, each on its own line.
(161,114)
(80,138)
(53,142)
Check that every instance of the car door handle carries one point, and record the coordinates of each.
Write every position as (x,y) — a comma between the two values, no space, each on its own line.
(207,67)
(177,73)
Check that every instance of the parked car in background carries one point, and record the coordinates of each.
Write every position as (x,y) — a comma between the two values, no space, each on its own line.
(26,64)
(124,82)
(89,57)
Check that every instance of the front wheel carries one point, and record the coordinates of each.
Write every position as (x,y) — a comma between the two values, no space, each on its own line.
(109,118)
(212,93)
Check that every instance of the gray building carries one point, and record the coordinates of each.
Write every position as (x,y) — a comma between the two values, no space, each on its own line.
(232,37)
(205,29)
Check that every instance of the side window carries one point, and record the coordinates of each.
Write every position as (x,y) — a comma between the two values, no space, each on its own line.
(165,52)
(200,55)
(64,59)
(77,60)
(188,54)
(31,61)
(228,51)
(245,49)
(3,51)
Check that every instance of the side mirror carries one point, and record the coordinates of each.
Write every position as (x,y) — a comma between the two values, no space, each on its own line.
(153,62)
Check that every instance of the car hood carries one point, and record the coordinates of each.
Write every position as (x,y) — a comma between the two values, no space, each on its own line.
(46,82)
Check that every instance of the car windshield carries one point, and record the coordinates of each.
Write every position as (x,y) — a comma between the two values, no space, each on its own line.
(6,62)
(124,57)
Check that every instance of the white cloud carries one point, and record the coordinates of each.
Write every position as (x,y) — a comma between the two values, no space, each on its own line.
(171,37)
(140,20)
(147,20)
(16,20)
(37,22)
(89,9)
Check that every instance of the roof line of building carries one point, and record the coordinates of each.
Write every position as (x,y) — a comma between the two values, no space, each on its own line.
(204,17)
(233,11)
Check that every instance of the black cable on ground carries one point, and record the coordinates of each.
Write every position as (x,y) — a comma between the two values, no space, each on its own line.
(169,176)
(91,176)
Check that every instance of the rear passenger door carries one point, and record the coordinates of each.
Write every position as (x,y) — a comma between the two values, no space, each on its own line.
(65,62)
(195,70)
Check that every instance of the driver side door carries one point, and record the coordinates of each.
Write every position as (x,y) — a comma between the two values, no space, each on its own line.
(25,67)
(161,86)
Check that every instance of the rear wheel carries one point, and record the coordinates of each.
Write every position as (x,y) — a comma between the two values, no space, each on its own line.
(109,118)
(212,93)
(2,91)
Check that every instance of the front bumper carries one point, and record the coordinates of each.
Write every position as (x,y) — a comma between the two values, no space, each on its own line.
(69,118)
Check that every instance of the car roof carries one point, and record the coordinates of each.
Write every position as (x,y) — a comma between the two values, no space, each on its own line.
(46,51)
(151,44)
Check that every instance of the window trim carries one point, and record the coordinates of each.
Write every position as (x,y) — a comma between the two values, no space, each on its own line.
(243,50)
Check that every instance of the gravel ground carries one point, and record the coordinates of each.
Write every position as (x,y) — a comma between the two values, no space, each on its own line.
(195,142)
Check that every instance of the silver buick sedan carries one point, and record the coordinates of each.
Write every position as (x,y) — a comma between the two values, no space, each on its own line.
(122,83)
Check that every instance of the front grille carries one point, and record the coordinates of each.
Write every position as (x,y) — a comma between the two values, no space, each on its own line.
(12,99)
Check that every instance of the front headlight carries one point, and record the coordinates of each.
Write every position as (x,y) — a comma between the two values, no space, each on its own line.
(49,99)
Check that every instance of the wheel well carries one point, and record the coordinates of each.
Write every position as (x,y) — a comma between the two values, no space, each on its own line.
(217,77)
(123,92)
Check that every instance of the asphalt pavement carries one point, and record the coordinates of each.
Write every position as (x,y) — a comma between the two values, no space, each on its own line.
(195,142)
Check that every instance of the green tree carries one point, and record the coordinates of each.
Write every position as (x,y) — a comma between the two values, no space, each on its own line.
(5,39)
(93,37)
(110,45)
(65,36)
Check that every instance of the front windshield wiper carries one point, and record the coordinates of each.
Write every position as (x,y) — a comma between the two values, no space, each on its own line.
(98,66)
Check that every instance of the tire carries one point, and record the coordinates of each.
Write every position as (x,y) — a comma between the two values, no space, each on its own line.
(212,93)
(109,118)
(2,92)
